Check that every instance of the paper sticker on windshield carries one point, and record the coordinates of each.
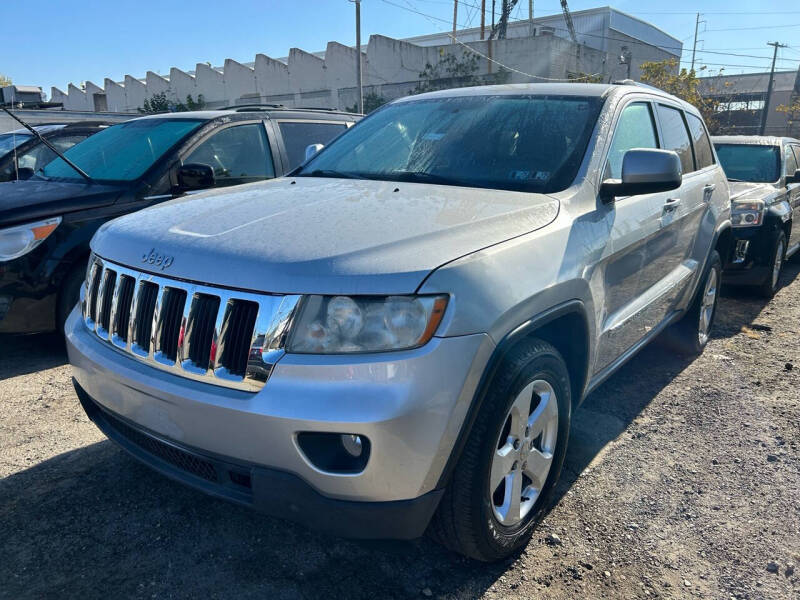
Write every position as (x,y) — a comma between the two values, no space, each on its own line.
(433,137)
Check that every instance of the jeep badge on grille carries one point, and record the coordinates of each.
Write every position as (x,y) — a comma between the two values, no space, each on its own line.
(156,259)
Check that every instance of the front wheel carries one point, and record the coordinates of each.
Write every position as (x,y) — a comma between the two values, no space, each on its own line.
(770,285)
(692,332)
(505,477)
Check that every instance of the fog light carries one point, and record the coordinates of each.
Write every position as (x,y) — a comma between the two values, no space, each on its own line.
(352,443)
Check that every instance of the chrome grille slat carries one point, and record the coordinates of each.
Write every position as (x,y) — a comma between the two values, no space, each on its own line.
(135,309)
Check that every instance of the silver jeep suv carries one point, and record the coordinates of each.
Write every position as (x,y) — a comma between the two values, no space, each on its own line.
(392,339)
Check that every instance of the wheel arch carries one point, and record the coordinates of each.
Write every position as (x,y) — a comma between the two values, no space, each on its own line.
(566,327)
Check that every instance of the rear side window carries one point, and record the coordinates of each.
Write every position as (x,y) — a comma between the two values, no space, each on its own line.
(298,135)
(703,155)
(635,129)
(675,135)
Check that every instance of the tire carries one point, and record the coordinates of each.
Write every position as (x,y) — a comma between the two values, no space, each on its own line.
(770,285)
(69,295)
(689,336)
(469,519)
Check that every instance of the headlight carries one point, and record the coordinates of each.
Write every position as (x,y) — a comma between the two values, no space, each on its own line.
(344,324)
(21,239)
(747,214)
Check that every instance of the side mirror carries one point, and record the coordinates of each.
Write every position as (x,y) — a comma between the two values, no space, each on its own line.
(644,171)
(195,176)
(24,173)
(789,178)
(312,149)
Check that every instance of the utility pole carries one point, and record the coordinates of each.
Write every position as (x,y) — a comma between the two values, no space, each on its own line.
(455,19)
(694,47)
(358,57)
(483,19)
(530,18)
(765,111)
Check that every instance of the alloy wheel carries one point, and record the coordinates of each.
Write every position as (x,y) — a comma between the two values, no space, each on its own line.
(776,267)
(707,306)
(524,452)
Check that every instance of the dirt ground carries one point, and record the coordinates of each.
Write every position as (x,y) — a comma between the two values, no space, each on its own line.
(682,481)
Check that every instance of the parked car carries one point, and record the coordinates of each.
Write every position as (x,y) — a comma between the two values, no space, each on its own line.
(765,202)
(47,221)
(427,299)
(31,154)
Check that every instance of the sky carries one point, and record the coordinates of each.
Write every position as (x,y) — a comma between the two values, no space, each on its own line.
(55,42)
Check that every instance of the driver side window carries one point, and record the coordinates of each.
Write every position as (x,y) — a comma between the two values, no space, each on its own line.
(635,129)
(237,154)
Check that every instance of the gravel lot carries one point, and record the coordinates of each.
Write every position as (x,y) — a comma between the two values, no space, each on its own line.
(682,480)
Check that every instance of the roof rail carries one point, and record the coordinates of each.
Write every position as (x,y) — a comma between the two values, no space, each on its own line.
(249,107)
(637,84)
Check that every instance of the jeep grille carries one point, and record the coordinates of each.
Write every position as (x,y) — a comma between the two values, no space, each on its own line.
(210,334)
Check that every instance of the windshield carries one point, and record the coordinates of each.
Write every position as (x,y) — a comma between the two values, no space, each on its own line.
(9,141)
(524,143)
(122,152)
(750,162)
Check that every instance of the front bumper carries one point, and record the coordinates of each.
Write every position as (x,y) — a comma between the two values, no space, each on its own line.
(754,265)
(410,405)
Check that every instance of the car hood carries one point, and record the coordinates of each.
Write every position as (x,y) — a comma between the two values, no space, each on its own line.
(22,201)
(316,235)
(742,191)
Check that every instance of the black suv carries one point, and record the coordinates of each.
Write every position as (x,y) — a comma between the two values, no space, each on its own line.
(31,154)
(46,221)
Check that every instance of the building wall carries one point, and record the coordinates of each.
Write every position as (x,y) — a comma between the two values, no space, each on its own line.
(389,65)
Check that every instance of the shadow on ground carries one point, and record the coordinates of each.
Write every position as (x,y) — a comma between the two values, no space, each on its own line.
(23,354)
(95,522)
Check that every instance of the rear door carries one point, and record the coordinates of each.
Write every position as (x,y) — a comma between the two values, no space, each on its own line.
(791,158)
(296,135)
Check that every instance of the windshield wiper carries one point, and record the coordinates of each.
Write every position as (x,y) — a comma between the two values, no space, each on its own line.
(329,173)
(80,171)
(423,177)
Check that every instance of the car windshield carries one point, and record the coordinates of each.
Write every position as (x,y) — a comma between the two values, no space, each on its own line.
(9,141)
(122,152)
(750,162)
(523,143)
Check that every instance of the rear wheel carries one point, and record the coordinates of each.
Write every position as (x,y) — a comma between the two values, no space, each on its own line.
(691,334)
(505,477)
(770,285)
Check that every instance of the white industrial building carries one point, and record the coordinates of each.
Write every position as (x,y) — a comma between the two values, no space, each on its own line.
(535,50)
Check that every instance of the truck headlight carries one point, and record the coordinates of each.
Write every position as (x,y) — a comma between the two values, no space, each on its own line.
(19,240)
(347,324)
(747,214)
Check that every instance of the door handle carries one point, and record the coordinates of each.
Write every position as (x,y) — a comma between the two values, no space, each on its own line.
(710,187)
(672,204)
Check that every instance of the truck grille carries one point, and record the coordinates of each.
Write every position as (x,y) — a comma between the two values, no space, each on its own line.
(218,336)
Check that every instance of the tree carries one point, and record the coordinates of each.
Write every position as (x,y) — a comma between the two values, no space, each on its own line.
(449,72)
(371,102)
(4,81)
(682,83)
(158,103)
(792,112)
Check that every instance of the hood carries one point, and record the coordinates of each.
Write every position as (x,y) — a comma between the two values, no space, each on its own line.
(324,236)
(745,190)
(22,201)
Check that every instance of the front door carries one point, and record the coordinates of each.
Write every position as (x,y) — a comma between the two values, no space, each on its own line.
(791,159)
(630,265)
